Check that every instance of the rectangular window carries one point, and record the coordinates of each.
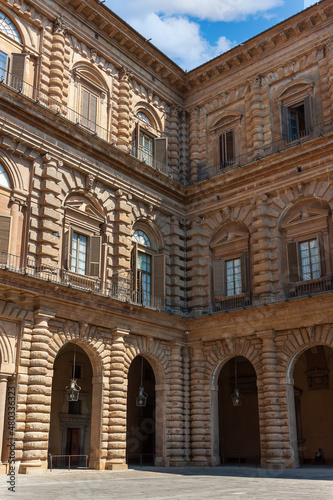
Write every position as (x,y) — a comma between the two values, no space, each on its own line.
(144,278)
(79,253)
(310,260)
(89,109)
(296,120)
(146,148)
(3,66)
(226,148)
(233,277)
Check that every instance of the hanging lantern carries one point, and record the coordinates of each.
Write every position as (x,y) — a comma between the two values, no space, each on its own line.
(142,396)
(73,390)
(236,398)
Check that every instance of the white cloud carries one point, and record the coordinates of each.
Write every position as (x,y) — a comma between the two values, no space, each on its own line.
(180,39)
(212,10)
(174,26)
(307,3)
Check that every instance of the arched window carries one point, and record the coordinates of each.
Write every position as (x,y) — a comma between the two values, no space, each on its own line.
(148,271)
(224,140)
(8,28)
(12,62)
(147,146)
(4,179)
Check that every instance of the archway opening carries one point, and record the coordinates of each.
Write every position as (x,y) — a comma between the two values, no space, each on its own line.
(313,392)
(70,425)
(239,436)
(140,442)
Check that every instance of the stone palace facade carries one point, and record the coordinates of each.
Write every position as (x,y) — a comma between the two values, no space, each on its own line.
(164,230)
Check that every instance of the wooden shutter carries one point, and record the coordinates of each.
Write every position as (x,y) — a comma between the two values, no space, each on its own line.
(134,266)
(284,112)
(219,277)
(321,250)
(4,233)
(229,145)
(245,270)
(85,108)
(308,116)
(93,112)
(17,70)
(94,255)
(68,236)
(161,152)
(221,160)
(158,276)
(292,254)
(136,140)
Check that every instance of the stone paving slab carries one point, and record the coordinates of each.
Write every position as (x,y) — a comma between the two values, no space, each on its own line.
(148,483)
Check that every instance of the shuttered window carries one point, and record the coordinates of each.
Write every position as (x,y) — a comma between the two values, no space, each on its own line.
(306,260)
(89,109)
(4,233)
(161,152)
(226,148)
(17,67)
(231,277)
(83,253)
(297,120)
(3,66)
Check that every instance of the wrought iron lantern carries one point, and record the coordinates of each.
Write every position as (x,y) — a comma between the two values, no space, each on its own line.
(73,390)
(236,397)
(142,396)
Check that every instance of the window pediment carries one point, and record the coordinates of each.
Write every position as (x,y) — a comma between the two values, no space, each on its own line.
(226,120)
(91,77)
(84,206)
(295,91)
(304,216)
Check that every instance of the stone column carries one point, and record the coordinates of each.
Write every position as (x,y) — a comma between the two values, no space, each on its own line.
(38,401)
(328,110)
(57,65)
(194,143)
(176,406)
(198,407)
(121,249)
(49,216)
(116,455)
(256,117)
(3,420)
(269,406)
(174,138)
(124,111)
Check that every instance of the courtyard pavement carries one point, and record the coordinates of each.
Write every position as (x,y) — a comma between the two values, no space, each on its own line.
(150,483)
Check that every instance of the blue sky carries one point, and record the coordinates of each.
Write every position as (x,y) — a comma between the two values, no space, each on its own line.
(193,31)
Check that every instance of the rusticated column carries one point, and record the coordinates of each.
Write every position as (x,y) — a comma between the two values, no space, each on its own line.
(123,110)
(116,456)
(38,400)
(194,143)
(121,250)
(256,123)
(187,404)
(176,406)
(57,59)
(174,138)
(265,254)
(49,216)
(269,406)
(328,110)
(198,407)
(183,146)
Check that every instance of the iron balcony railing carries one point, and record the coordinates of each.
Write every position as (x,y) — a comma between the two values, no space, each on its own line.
(120,288)
(91,126)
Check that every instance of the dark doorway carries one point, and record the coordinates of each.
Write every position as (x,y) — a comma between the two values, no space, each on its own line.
(73,444)
(140,444)
(238,425)
(313,392)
